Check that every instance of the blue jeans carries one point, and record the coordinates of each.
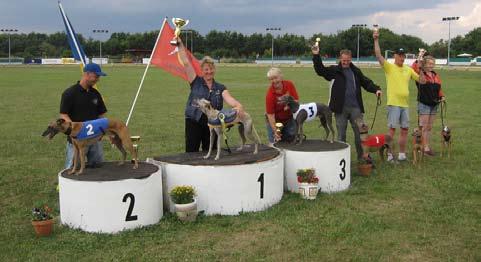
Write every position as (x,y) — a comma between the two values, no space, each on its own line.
(288,131)
(94,153)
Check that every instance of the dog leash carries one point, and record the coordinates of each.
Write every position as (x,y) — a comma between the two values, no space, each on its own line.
(222,123)
(378,103)
(443,112)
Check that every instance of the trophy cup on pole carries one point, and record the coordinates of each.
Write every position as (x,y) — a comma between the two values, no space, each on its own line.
(135,140)
(179,23)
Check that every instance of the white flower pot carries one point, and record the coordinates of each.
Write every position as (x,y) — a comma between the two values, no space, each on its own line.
(186,212)
(308,190)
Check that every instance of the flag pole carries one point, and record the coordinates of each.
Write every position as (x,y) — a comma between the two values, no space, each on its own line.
(70,31)
(145,73)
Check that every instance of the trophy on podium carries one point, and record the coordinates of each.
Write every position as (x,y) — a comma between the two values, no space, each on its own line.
(279,127)
(134,140)
(179,23)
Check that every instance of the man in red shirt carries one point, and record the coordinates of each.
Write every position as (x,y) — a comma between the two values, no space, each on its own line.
(277,112)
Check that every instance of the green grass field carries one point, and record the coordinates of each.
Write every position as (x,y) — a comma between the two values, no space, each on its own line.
(429,213)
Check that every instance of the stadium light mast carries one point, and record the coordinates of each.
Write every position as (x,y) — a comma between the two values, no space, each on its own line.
(386,52)
(9,31)
(358,26)
(272,48)
(449,19)
(191,32)
(100,31)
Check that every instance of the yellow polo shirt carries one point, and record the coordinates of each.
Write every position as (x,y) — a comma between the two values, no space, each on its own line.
(397,79)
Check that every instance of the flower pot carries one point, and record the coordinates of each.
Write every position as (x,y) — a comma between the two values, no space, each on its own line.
(186,212)
(364,169)
(43,228)
(308,190)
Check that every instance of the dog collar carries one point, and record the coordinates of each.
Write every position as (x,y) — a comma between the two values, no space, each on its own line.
(69,129)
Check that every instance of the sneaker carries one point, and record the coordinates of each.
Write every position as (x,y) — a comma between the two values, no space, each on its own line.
(390,158)
(429,152)
(402,157)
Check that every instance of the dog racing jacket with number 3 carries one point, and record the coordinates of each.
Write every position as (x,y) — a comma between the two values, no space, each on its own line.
(374,141)
(311,110)
(93,128)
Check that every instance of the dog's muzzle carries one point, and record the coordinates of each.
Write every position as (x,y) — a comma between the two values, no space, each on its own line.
(50,131)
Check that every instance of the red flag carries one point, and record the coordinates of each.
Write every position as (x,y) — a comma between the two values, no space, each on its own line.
(166,56)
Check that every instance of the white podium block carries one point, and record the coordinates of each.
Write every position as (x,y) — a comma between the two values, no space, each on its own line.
(111,198)
(237,182)
(332,162)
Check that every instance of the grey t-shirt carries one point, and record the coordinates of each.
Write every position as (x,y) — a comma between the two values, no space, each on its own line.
(350,99)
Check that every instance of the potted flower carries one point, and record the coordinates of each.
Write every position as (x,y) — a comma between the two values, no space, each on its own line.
(42,220)
(307,183)
(364,167)
(185,203)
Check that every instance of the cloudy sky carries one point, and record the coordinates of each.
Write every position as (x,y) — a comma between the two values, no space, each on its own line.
(419,18)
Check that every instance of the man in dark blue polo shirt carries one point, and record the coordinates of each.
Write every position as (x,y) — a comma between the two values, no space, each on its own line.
(81,102)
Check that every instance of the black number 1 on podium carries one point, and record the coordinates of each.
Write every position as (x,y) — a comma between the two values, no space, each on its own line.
(261,180)
(129,216)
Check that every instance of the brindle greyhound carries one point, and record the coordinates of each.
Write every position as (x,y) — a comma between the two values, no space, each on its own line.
(84,133)
(446,143)
(307,112)
(418,145)
(246,127)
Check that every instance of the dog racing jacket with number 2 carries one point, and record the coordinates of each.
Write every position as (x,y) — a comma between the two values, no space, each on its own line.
(311,110)
(374,141)
(93,128)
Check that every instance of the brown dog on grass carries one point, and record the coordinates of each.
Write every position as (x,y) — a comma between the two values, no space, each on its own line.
(418,145)
(89,132)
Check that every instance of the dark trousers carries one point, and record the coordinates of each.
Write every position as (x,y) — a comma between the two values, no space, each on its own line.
(197,134)
(349,114)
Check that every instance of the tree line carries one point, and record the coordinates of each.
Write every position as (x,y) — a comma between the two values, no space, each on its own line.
(230,44)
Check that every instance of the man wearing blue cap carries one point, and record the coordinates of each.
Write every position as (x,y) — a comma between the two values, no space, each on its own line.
(398,76)
(82,102)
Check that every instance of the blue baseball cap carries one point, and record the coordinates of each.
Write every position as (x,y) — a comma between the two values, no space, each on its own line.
(94,68)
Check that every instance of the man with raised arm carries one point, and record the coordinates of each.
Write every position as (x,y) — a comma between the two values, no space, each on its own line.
(345,95)
(397,81)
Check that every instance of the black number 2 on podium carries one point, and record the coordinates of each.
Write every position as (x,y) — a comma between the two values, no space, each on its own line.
(261,180)
(129,216)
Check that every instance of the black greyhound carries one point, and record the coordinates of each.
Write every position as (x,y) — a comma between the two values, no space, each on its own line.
(304,112)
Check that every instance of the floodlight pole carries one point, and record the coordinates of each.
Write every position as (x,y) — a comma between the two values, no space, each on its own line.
(186,31)
(358,26)
(449,19)
(9,31)
(272,48)
(101,31)
(386,52)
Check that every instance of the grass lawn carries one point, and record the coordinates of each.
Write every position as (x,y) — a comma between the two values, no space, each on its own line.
(429,213)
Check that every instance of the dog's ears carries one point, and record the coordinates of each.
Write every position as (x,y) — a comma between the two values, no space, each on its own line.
(60,121)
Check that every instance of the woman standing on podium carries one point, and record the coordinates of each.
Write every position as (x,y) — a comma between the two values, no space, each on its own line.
(202,86)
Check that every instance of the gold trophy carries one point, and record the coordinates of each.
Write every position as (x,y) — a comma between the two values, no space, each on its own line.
(317,42)
(179,23)
(376,28)
(279,127)
(135,139)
